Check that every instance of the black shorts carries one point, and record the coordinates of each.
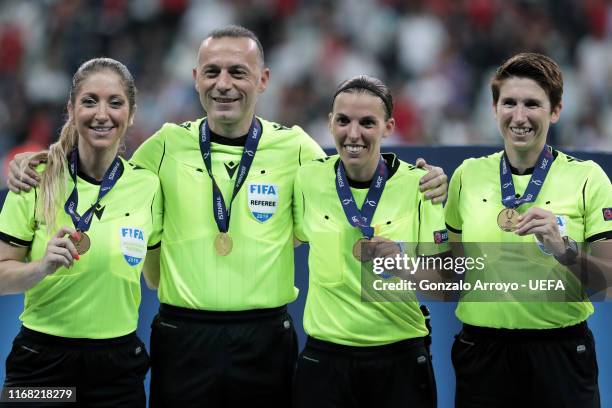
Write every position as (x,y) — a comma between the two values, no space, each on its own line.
(394,375)
(498,368)
(222,359)
(106,372)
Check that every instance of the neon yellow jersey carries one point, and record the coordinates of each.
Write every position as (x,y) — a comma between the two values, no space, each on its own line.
(577,192)
(99,296)
(335,311)
(258,273)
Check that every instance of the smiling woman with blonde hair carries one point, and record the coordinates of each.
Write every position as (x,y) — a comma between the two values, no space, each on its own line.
(79,263)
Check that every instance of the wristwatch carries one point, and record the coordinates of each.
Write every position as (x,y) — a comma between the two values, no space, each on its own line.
(571,252)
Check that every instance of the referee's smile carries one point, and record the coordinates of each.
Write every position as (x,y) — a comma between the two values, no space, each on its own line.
(353,149)
(101,130)
(225,100)
(225,103)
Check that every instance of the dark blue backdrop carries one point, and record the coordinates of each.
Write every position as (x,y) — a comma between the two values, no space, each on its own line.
(444,322)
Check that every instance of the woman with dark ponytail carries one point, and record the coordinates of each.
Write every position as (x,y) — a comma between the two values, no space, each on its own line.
(76,245)
(366,346)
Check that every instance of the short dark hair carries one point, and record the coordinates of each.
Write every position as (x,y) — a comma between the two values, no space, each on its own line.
(370,85)
(236,31)
(540,68)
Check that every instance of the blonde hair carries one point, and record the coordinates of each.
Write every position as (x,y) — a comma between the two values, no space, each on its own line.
(53,180)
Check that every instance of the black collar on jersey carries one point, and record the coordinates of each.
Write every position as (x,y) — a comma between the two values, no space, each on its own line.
(391,161)
(238,141)
(514,170)
(88,178)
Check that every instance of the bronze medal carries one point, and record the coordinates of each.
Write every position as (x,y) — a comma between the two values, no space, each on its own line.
(361,250)
(82,244)
(223,244)
(508,219)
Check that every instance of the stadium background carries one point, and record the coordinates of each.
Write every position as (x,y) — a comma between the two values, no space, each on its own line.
(436,55)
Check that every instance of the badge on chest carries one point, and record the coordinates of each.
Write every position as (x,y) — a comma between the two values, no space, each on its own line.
(133,244)
(263,200)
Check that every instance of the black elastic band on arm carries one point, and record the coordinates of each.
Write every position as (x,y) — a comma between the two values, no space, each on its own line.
(11,240)
(154,246)
(451,229)
(600,237)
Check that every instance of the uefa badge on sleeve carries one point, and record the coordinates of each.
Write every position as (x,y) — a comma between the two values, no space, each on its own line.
(263,200)
(441,236)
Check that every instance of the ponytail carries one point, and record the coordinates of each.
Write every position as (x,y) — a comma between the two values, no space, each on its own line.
(53,182)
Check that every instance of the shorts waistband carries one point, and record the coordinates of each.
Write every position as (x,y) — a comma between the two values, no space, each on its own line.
(70,342)
(570,332)
(182,313)
(363,351)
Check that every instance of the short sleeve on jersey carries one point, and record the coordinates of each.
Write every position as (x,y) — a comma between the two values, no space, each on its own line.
(452,213)
(17,223)
(157,215)
(598,205)
(433,235)
(298,209)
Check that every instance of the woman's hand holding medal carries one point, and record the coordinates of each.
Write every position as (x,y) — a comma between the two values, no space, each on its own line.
(381,247)
(384,248)
(60,251)
(543,224)
(365,249)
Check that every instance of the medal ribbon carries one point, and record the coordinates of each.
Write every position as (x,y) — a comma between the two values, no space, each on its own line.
(361,218)
(220,211)
(508,193)
(112,175)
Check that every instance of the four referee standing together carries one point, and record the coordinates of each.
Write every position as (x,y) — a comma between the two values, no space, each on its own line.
(223,336)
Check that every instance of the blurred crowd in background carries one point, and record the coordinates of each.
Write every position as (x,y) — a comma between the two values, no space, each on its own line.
(437,56)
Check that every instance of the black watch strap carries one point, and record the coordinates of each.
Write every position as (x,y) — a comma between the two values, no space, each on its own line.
(571,252)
